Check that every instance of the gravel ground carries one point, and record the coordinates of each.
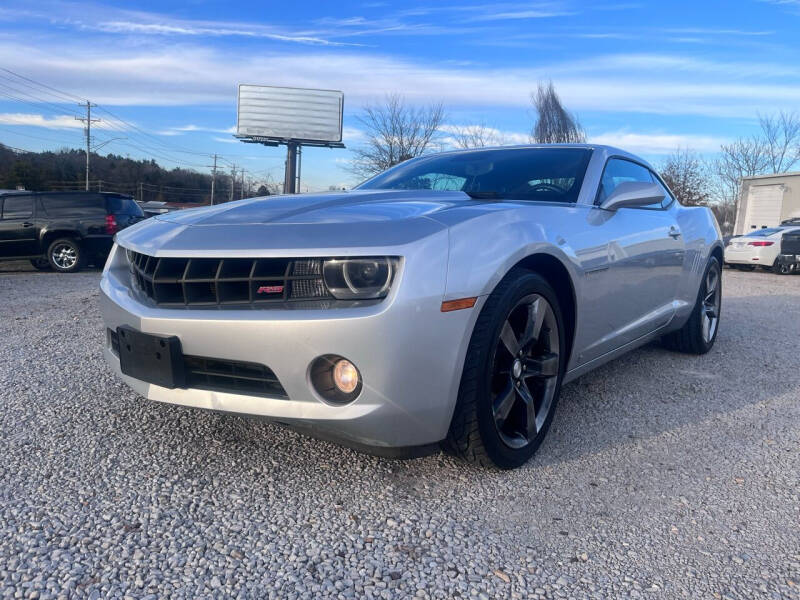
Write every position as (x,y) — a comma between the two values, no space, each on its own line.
(664,476)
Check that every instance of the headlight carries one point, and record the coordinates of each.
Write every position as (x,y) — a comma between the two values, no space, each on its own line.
(359,278)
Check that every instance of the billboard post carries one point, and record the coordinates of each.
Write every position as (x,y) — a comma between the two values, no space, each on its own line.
(294,117)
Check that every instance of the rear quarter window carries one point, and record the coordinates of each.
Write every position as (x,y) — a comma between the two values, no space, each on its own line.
(123,206)
(74,206)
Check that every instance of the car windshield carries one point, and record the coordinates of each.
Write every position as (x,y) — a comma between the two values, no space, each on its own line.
(764,232)
(550,174)
(124,206)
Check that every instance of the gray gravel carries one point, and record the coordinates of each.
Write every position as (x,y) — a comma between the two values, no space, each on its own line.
(664,476)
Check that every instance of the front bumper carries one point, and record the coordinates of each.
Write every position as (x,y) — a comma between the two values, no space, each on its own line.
(409,353)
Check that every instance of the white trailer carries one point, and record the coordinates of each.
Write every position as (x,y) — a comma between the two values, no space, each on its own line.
(767,201)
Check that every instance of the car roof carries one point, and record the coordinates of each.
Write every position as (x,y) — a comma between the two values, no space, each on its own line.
(70,193)
(608,151)
(775,230)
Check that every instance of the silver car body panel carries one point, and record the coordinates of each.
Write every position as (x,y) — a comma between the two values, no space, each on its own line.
(633,278)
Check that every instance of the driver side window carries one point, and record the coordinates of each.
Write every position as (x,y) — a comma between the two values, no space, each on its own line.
(619,170)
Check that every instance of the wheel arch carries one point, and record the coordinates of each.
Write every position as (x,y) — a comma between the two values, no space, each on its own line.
(718,253)
(557,275)
(51,235)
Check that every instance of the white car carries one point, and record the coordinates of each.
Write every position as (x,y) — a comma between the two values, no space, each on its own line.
(758,248)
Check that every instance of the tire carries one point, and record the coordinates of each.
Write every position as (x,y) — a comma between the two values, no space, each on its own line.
(40,264)
(782,268)
(65,255)
(693,338)
(492,424)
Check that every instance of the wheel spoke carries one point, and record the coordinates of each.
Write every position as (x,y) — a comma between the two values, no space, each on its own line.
(536,312)
(544,366)
(503,403)
(509,339)
(706,327)
(530,410)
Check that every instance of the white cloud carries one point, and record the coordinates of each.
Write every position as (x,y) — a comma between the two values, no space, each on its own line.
(181,129)
(57,122)
(187,75)
(657,143)
(34,120)
(542,13)
(189,28)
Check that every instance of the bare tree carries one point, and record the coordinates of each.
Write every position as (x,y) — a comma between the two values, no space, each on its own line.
(554,124)
(396,131)
(475,136)
(686,174)
(781,137)
(776,149)
(744,157)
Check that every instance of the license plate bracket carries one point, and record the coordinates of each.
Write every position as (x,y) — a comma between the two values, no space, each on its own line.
(152,358)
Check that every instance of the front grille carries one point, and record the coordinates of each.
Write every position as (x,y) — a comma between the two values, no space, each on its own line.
(220,375)
(222,282)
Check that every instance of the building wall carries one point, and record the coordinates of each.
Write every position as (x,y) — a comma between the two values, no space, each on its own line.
(791,196)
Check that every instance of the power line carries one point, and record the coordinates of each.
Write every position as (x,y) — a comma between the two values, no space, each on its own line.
(38,100)
(145,142)
(37,137)
(69,97)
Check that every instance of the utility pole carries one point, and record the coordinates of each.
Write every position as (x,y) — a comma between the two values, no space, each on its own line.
(233,182)
(88,120)
(141,194)
(213,179)
(290,175)
(241,191)
(299,166)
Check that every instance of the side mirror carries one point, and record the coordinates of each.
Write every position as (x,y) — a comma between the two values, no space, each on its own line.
(633,193)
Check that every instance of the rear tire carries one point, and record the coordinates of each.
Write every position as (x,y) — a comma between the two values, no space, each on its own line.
(512,374)
(699,333)
(782,268)
(65,255)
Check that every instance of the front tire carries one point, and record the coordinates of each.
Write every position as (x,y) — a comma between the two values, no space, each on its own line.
(512,374)
(65,255)
(699,333)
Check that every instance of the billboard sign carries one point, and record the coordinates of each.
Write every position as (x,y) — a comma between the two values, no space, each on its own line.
(311,117)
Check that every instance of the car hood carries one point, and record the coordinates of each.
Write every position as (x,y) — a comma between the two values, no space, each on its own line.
(357,206)
(344,223)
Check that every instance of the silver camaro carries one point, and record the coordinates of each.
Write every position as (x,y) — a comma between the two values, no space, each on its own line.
(442,303)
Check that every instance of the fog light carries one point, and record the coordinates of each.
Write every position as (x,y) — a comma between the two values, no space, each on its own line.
(335,379)
(345,376)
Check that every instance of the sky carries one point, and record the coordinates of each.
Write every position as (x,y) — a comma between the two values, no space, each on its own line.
(646,76)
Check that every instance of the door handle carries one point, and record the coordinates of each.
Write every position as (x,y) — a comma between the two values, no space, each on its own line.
(27,224)
(674,233)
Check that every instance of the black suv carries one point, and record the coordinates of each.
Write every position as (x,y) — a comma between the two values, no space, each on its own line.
(63,230)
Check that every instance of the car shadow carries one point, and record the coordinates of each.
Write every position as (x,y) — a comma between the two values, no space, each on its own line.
(652,390)
(646,393)
(24,266)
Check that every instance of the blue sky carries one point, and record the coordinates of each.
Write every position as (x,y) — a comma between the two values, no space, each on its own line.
(647,76)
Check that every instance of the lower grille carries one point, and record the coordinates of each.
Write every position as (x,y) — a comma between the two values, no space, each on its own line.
(221,375)
(222,282)
(250,379)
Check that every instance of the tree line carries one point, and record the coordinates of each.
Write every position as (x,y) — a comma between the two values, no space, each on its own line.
(146,180)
